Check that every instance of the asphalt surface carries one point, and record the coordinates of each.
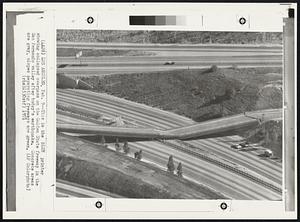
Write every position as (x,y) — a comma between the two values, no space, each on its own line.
(199,130)
(183,56)
(173,47)
(220,179)
(68,189)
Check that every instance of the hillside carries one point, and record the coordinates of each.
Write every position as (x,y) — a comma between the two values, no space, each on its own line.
(184,37)
(199,94)
(95,166)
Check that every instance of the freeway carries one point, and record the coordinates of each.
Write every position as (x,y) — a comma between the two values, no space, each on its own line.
(171,47)
(68,189)
(159,60)
(91,66)
(183,56)
(207,129)
(218,178)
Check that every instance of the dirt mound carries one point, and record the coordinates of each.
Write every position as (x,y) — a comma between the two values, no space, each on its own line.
(199,94)
(270,96)
(66,82)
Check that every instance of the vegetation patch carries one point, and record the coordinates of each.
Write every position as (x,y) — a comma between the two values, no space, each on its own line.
(185,37)
(268,135)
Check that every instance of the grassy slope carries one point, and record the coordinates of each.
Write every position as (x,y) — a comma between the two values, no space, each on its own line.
(87,164)
(198,94)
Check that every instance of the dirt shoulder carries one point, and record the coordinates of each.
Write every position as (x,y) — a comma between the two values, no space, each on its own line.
(95,166)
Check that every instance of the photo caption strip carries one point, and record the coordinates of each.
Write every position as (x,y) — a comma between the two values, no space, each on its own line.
(33,65)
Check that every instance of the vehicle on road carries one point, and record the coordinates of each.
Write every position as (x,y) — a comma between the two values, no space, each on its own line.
(236,146)
(244,144)
(169,63)
(240,145)
(268,153)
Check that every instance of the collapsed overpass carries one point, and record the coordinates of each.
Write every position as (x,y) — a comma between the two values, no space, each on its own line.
(207,129)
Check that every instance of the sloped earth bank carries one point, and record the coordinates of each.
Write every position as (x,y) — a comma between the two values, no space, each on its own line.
(92,165)
(202,94)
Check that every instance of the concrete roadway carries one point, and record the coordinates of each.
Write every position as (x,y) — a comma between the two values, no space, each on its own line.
(184,56)
(211,128)
(171,47)
(68,189)
(207,173)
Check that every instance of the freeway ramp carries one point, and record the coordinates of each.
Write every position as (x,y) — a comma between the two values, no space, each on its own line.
(207,129)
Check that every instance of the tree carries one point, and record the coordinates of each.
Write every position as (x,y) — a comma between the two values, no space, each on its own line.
(102,140)
(138,155)
(126,147)
(170,165)
(117,145)
(230,93)
(179,170)
(213,68)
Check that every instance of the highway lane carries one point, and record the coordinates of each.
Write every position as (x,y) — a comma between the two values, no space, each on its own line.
(171,123)
(154,60)
(137,111)
(71,120)
(178,65)
(70,189)
(184,56)
(124,105)
(223,152)
(201,130)
(118,102)
(109,110)
(171,47)
(209,174)
(234,181)
(238,156)
(277,165)
(203,174)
